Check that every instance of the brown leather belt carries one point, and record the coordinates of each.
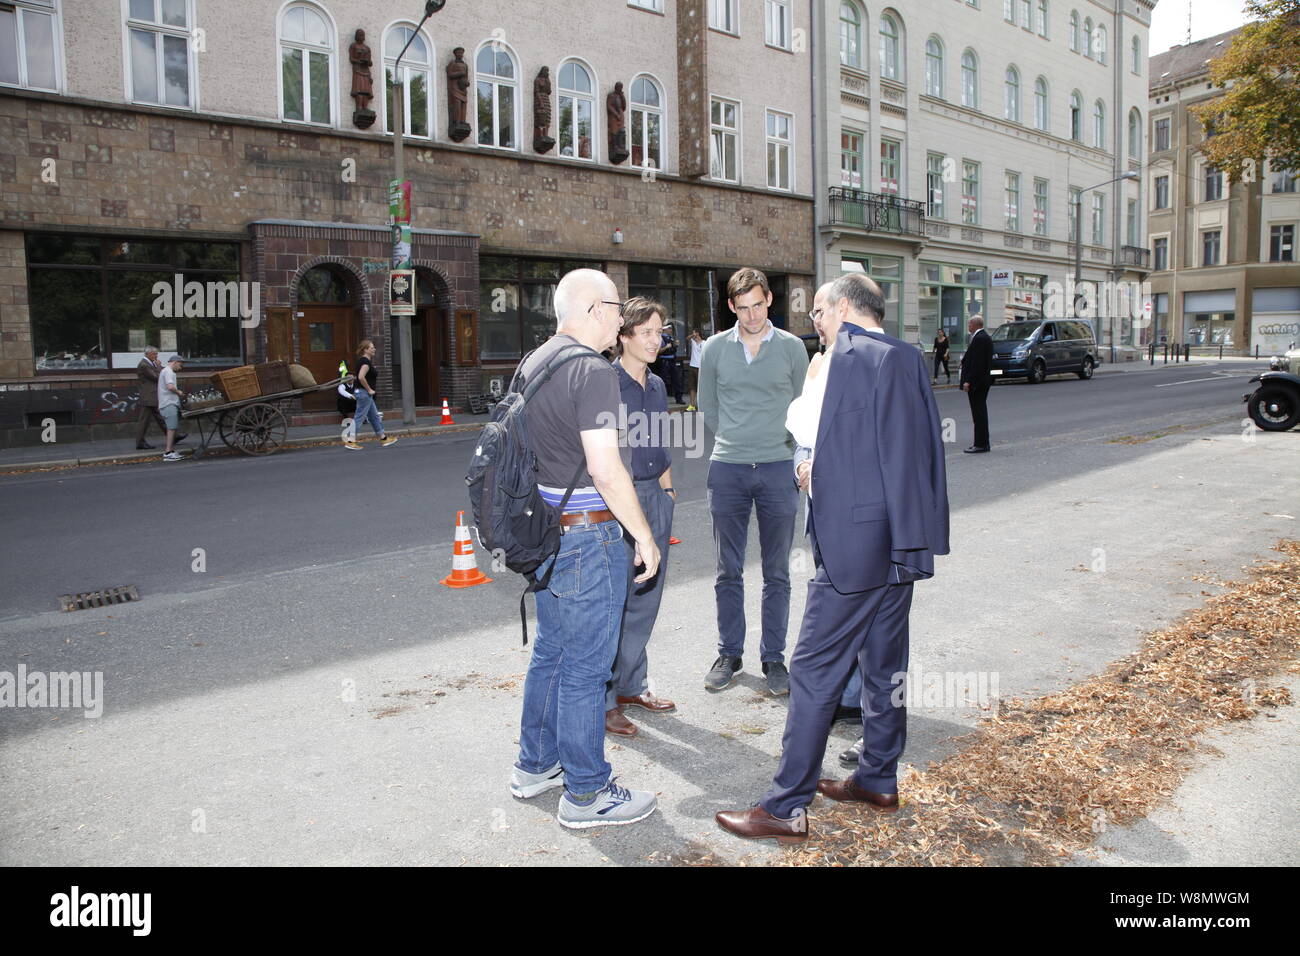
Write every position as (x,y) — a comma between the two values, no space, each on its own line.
(586,518)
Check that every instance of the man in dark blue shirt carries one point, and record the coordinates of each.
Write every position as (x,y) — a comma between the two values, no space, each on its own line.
(645,427)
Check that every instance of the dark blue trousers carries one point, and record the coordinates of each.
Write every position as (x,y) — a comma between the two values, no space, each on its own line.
(867,630)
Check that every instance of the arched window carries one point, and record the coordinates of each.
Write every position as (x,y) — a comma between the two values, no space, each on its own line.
(1100,40)
(322,285)
(851,36)
(934,67)
(496,89)
(1136,65)
(1099,124)
(970,80)
(1074,30)
(1042,108)
(417,82)
(1076,117)
(306,66)
(1134,133)
(577,111)
(1011,106)
(1087,37)
(891,61)
(647,123)
(1041,23)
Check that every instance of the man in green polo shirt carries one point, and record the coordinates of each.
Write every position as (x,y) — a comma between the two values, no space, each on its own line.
(748,377)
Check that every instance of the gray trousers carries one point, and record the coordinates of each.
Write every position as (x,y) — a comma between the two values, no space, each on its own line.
(642,607)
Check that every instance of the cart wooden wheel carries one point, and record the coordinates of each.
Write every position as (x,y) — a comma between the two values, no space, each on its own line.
(256,429)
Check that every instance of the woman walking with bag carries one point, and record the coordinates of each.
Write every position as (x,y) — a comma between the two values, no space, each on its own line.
(941,356)
(367,381)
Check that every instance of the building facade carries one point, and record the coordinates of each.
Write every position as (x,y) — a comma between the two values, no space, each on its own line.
(956,139)
(1224,253)
(246,142)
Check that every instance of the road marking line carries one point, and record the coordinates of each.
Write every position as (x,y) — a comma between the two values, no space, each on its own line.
(1218,377)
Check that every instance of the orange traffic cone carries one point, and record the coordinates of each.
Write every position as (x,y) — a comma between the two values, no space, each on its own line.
(464,569)
(446,414)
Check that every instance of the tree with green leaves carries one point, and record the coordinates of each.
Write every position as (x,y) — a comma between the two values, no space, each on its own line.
(1258,115)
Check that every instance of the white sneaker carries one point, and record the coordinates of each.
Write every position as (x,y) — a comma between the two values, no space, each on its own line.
(173,456)
(613,806)
(524,785)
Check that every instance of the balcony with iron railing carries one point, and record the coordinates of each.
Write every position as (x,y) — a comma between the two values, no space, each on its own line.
(876,212)
(1135,257)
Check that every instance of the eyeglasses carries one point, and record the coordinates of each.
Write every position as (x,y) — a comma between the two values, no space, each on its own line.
(607,302)
(812,316)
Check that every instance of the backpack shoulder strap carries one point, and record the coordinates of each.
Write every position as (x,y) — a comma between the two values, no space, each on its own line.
(565,355)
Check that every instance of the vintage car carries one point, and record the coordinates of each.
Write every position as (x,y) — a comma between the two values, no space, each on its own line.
(1275,405)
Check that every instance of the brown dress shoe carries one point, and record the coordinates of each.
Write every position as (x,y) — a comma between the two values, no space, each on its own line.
(757,824)
(656,705)
(848,790)
(616,723)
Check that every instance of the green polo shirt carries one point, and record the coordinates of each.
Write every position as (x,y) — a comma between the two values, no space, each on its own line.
(744,402)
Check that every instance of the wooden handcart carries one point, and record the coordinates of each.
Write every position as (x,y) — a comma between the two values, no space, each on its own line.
(254,426)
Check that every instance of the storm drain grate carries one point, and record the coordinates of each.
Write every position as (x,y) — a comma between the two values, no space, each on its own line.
(101,598)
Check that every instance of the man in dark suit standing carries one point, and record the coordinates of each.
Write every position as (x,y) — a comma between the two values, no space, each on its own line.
(877,516)
(147,372)
(976,380)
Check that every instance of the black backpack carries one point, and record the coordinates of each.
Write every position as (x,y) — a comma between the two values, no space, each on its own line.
(512,520)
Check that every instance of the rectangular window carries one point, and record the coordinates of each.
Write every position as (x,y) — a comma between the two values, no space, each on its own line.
(724,140)
(517,296)
(970,192)
(1040,207)
(889,165)
(1160,253)
(1162,192)
(1131,228)
(722,16)
(850,159)
(159,40)
(686,298)
(1213,184)
(1162,134)
(1284,181)
(777,24)
(1073,209)
(1281,244)
(1013,201)
(1210,248)
(29,55)
(656,5)
(935,164)
(1024,10)
(887,271)
(780,171)
(1009,10)
(1098,219)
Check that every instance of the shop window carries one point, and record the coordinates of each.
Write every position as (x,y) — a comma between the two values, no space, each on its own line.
(516,303)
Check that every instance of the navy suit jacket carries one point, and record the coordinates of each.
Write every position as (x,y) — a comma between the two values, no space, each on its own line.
(879,508)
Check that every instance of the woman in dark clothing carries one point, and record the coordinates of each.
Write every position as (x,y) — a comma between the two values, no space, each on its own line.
(367,380)
(941,355)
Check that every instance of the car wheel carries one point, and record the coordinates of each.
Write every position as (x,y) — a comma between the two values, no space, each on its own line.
(1085,370)
(1037,372)
(1275,408)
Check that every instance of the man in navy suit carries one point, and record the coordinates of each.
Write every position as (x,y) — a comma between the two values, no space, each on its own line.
(877,516)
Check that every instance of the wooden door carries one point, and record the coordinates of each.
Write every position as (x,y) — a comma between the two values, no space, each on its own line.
(426,338)
(327,335)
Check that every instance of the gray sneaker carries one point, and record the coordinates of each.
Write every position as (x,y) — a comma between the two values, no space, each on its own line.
(850,757)
(778,678)
(613,806)
(722,673)
(524,785)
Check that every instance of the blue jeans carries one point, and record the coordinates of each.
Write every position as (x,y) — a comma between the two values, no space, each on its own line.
(734,491)
(367,411)
(578,620)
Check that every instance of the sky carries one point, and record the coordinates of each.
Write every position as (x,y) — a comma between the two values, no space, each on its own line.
(1209,18)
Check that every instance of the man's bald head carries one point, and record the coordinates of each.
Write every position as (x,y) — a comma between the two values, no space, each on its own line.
(864,297)
(577,291)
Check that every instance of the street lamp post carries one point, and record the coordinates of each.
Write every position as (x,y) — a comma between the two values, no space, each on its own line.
(398,114)
(1078,242)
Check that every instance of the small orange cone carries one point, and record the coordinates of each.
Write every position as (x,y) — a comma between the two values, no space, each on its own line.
(446,414)
(464,569)
(672,540)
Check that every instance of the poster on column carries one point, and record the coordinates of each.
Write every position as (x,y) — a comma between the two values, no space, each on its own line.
(401,292)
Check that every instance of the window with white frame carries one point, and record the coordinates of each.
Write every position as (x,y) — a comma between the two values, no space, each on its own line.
(776,24)
(1041,19)
(1210,247)
(1160,253)
(656,5)
(970,192)
(851,36)
(1087,37)
(1131,222)
(934,67)
(780,157)
(934,185)
(722,16)
(647,124)
(1099,124)
(1042,105)
(851,159)
(496,96)
(416,91)
(1024,14)
(970,80)
(1074,31)
(1136,64)
(1041,188)
(577,110)
(1213,180)
(1009,10)
(30,54)
(1161,134)
(1076,117)
(1012,204)
(1160,192)
(724,140)
(1073,209)
(890,164)
(1283,180)
(1281,243)
(1098,219)
(1100,44)
(891,59)
(306,66)
(1011,95)
(1134,134)
(158,34)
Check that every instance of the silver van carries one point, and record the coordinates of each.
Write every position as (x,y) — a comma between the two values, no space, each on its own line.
(1036,349)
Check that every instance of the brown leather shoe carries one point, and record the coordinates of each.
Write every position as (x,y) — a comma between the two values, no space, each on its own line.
(848,790)
(616,723)
(656,705)
(757,824)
